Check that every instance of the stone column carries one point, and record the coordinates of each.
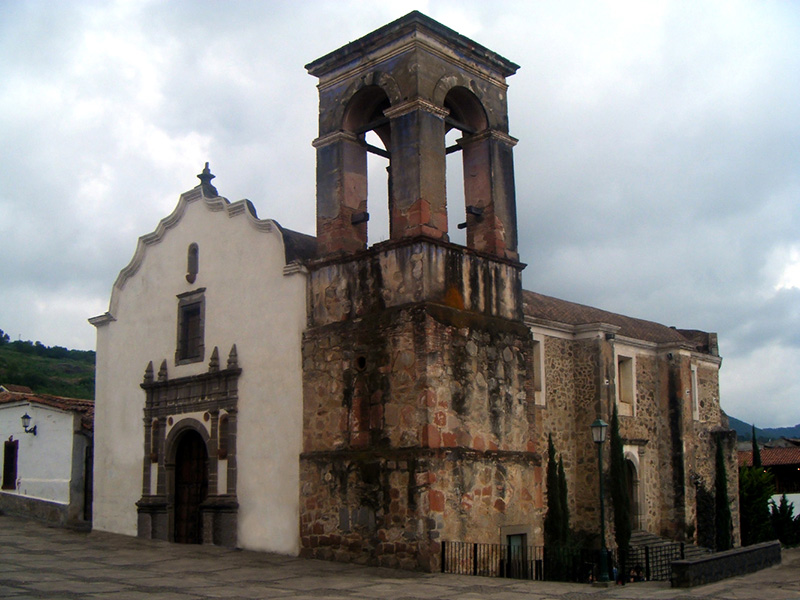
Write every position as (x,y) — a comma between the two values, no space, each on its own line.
(418,203)
(489,187)
(341,192)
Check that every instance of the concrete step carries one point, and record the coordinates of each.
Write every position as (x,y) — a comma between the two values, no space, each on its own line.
(641,538)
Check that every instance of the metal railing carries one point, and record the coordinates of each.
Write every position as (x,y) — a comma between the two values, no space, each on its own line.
(493,560)
(654,563)
(645,563)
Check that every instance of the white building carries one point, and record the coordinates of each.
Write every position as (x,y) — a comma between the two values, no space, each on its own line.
(198,363)
(47,456)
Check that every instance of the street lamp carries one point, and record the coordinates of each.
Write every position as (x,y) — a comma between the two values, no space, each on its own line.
(599,428)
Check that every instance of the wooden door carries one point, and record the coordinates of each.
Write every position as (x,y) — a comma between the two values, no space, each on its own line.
(191,487)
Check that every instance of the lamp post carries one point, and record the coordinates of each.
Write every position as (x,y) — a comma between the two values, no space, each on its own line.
(599,436)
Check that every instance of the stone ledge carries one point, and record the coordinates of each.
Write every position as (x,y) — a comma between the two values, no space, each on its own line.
(39,509)
(721,565)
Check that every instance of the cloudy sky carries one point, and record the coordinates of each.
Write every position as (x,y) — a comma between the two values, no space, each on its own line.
(658,168)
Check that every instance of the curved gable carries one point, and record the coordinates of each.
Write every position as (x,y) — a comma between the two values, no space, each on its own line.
(290,240)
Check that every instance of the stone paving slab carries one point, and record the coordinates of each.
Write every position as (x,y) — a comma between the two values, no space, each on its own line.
(41,561)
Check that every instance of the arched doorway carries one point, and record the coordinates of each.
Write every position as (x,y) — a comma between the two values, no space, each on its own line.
(191,487)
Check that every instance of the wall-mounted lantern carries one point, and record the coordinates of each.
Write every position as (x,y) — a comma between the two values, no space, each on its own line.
(26,422)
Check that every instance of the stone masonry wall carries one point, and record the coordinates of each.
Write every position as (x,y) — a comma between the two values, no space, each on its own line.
(571,372)
(417,428)
(672,451)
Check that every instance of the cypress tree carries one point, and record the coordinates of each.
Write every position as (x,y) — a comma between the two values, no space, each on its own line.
(562,493)
(620,495)
(756,451)
(755,491)
(722,507)
(553,520)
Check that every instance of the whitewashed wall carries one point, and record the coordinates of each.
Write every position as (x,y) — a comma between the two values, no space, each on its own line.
(44,460)
(250,302)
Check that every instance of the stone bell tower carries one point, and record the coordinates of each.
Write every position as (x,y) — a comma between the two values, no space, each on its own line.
(418,419)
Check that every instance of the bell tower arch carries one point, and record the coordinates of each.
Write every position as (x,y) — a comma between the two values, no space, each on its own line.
(410,82)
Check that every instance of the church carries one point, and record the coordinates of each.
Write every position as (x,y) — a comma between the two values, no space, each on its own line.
(265,389)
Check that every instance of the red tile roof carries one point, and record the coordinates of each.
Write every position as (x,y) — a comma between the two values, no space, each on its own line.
(84,407)
(561,311)
(12,387)
(771,457)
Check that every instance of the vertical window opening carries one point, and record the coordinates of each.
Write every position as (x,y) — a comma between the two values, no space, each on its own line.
(538,372)
(377,192)
(468,178)
(625,385)
(191,326)
(695,395)
(11,449)
(365,177)
(456,208)
(192,263)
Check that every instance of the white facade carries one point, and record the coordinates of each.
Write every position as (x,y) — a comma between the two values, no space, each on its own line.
(253,300)
(50,464)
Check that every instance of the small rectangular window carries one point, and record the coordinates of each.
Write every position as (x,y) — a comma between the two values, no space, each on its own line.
(11,448)
(626,387)
(191,326)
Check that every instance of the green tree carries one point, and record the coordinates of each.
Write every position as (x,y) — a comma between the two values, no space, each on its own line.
(562,493)
(756,451)
(4,338)
(554,519)
(558,547)
(755,490)
(620,495)
(722,507)
(784,523)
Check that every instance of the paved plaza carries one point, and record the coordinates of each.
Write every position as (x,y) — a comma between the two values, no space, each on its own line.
(39,561)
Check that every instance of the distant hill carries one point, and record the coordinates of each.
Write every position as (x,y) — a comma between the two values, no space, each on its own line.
(744,431)
(47,370)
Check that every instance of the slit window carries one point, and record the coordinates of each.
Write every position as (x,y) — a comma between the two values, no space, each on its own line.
(192,263)
(538,372)
(695,395)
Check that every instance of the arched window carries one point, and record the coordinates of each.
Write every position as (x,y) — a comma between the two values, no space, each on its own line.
(364,119)
(192,263)
(469,207)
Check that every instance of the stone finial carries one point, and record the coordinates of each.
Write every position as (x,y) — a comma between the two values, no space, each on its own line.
(148,373)
(162,371)
(233,358)
(213,364)
(205,182)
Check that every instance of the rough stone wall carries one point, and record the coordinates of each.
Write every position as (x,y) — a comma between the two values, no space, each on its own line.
(571,369)
(675,453)
(417,428)
(644,430)
(394,508)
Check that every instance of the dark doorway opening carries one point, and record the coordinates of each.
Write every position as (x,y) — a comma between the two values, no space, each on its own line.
(191,487)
